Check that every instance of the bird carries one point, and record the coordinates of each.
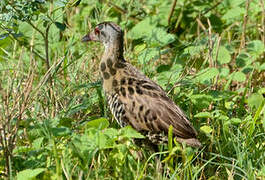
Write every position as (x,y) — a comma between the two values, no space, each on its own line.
(132,97)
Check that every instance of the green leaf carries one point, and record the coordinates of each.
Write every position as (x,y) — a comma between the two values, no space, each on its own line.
(103,141)
(223,55)
(235,121)
(29,174)
(37,143)
(148,54)
(224,72)
(22,149)
(155,36)
(193,50)
(262,67)
(142,29)
(229,104)
(129,132)
(235,3)
(163,68)
(60,26)
(66,122)
(235,13)
(261,91)
(206,75)
(255,48)
(206,129)
(201,101)
(111,132)
(60,131)
(160,37)
(95,138)
(243,59)
(255,100)
(169,76)
(203,115)
(239,76)
(138,48)
(25,29)
(223,118)
(101,123)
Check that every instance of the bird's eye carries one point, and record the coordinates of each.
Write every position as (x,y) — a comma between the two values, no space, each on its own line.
(96,31)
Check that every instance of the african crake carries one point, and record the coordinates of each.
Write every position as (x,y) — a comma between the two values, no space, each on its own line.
(133,98)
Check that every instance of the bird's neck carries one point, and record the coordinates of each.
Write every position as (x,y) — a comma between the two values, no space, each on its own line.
(111,63)
(114,50)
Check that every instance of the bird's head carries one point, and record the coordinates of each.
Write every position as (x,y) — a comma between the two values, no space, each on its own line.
(106,33)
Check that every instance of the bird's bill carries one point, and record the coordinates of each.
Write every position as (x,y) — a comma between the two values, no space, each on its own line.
(90,37)
(86,38)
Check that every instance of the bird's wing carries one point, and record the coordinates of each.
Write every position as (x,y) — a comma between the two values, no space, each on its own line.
(147,108)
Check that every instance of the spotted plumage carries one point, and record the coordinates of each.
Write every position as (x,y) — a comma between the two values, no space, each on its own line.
(133,98)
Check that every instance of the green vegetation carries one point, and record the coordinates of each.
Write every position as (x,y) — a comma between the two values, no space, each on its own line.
(208,55)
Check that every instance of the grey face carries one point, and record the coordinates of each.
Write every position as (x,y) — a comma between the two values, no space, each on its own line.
(104,32)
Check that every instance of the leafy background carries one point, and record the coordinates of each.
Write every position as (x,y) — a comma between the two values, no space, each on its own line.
(208,56)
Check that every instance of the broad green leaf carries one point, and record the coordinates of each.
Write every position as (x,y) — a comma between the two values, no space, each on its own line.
(129,132)
(262,67)
(148,54)
(235,13)
(159,36)
(170,76)
(138,48)
(206,75)
(66,122)
(163,68)
(60,26)
(193,50)
(243,59)
(101,123)
(162,15)
(224,72)
(95,138)
(235,3)
(155,36)
(29,174)
(255,48)
(22,149)
(37,143)
(229,104)
(203,115)
(223,118)
(103,141)
(255,100)
(142,29)
(60,131)
(247,69)
(235,121)
(223,55)
(25,29)
(239,76)
(261,91)
(201,100)
(206,129)
(111,132)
